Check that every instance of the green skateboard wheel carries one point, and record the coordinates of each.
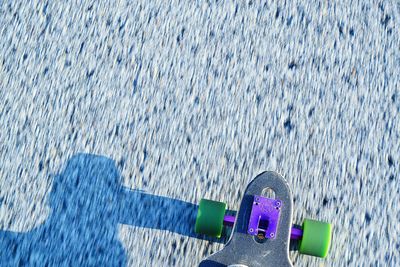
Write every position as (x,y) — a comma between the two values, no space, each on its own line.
(210,218)
(316,238)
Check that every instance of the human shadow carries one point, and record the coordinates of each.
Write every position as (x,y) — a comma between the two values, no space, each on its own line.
(87,203)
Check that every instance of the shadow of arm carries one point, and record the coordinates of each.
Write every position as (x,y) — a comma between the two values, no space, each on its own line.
(150,211)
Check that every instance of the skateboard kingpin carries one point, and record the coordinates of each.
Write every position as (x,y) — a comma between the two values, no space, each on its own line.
(262,228)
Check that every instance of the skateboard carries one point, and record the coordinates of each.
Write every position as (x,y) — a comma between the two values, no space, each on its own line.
(262,229)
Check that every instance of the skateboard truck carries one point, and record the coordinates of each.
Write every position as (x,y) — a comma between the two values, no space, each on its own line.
(264,217)
(262,228)
(264,220)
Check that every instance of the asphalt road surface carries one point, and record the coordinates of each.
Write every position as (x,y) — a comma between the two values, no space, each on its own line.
(117,117)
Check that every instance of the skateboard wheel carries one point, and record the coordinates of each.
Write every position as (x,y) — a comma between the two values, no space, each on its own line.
(210,218)
(316,238)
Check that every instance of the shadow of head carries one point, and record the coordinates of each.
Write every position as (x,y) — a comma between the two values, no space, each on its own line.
(88,188)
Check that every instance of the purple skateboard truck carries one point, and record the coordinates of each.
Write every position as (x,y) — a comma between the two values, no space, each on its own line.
(262,228)
(264,219)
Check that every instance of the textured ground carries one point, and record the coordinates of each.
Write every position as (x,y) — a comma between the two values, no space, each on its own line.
(192,99)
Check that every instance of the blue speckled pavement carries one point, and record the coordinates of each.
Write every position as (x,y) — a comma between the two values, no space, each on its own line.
(171,101)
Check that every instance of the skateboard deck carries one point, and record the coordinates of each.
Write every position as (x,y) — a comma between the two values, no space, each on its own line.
(262,228)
